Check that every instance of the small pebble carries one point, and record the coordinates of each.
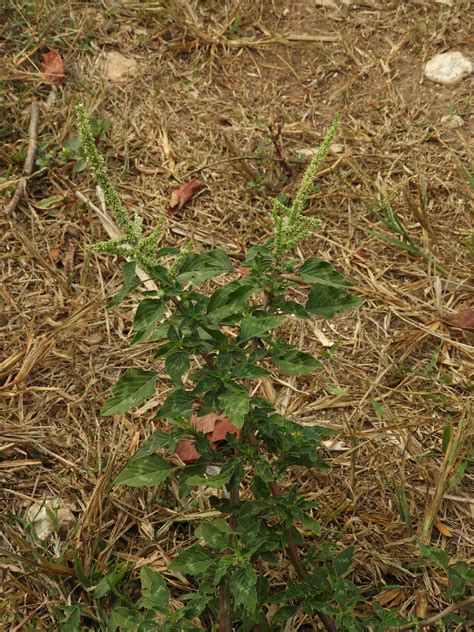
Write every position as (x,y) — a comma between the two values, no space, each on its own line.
(448,68)
(452,121)
(50,516)
(117,67)
(336,148)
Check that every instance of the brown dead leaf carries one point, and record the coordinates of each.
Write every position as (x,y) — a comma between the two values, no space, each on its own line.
(70,241)
(391,598)
(55,255)
(243,272)
(215,426)
(443,529)
(52,67)
(184,193)
(463,318)
(421,606)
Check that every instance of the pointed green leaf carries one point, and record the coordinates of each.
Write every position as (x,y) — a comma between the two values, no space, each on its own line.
(284,614)
(176,364)
(397,243)
(155,441)
(243,586)
(148,314)
(177,405)
(292,307)
(223,565)
(343,560)
(48,202)
(214,533)
(155,594)
(255,327)
(197,268)
(110,580)
(249,370)
(73,621)
(310,523)
(230,299)
(147,471)
(132,388)
(328,301)
(438,556)
(235,404)
(335,390)
(193,561)
(125,618)
(131,281)
(315,270)
(295,362)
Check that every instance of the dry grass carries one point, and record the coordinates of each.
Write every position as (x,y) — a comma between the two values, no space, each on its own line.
(193,110)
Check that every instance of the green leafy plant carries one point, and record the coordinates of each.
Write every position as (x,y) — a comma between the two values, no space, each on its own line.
(71,150)
(384,212)
(460,575)
(215,342)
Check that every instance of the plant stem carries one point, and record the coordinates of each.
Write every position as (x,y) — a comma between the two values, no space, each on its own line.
(29,162)
(275,135)
(291,550)
(225,621)
(436,617)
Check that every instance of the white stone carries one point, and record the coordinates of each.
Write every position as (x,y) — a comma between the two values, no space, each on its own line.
(307,152)
(331,4)
(448,68)
(336,148)
(452,121)
(48,517)
(117,67)
(310,152)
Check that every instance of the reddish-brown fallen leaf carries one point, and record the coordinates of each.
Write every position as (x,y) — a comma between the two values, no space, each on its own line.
(215,426)
(52,67)
(187,452)
(243,272)
(184,193)
(361,254)
(463,318)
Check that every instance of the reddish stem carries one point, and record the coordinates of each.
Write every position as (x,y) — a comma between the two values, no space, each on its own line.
(291,549)
(275,135)
(225,620)
(225,623)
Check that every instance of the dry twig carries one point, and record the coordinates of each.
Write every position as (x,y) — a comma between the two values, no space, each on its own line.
(436,617)
(30,159)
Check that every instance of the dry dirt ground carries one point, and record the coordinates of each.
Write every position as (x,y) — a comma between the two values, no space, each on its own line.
(210,78)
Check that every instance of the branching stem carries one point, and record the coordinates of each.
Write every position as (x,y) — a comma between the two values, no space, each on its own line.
(291,550)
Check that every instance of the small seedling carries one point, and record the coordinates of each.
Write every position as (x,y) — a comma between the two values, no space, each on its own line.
(72,149)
